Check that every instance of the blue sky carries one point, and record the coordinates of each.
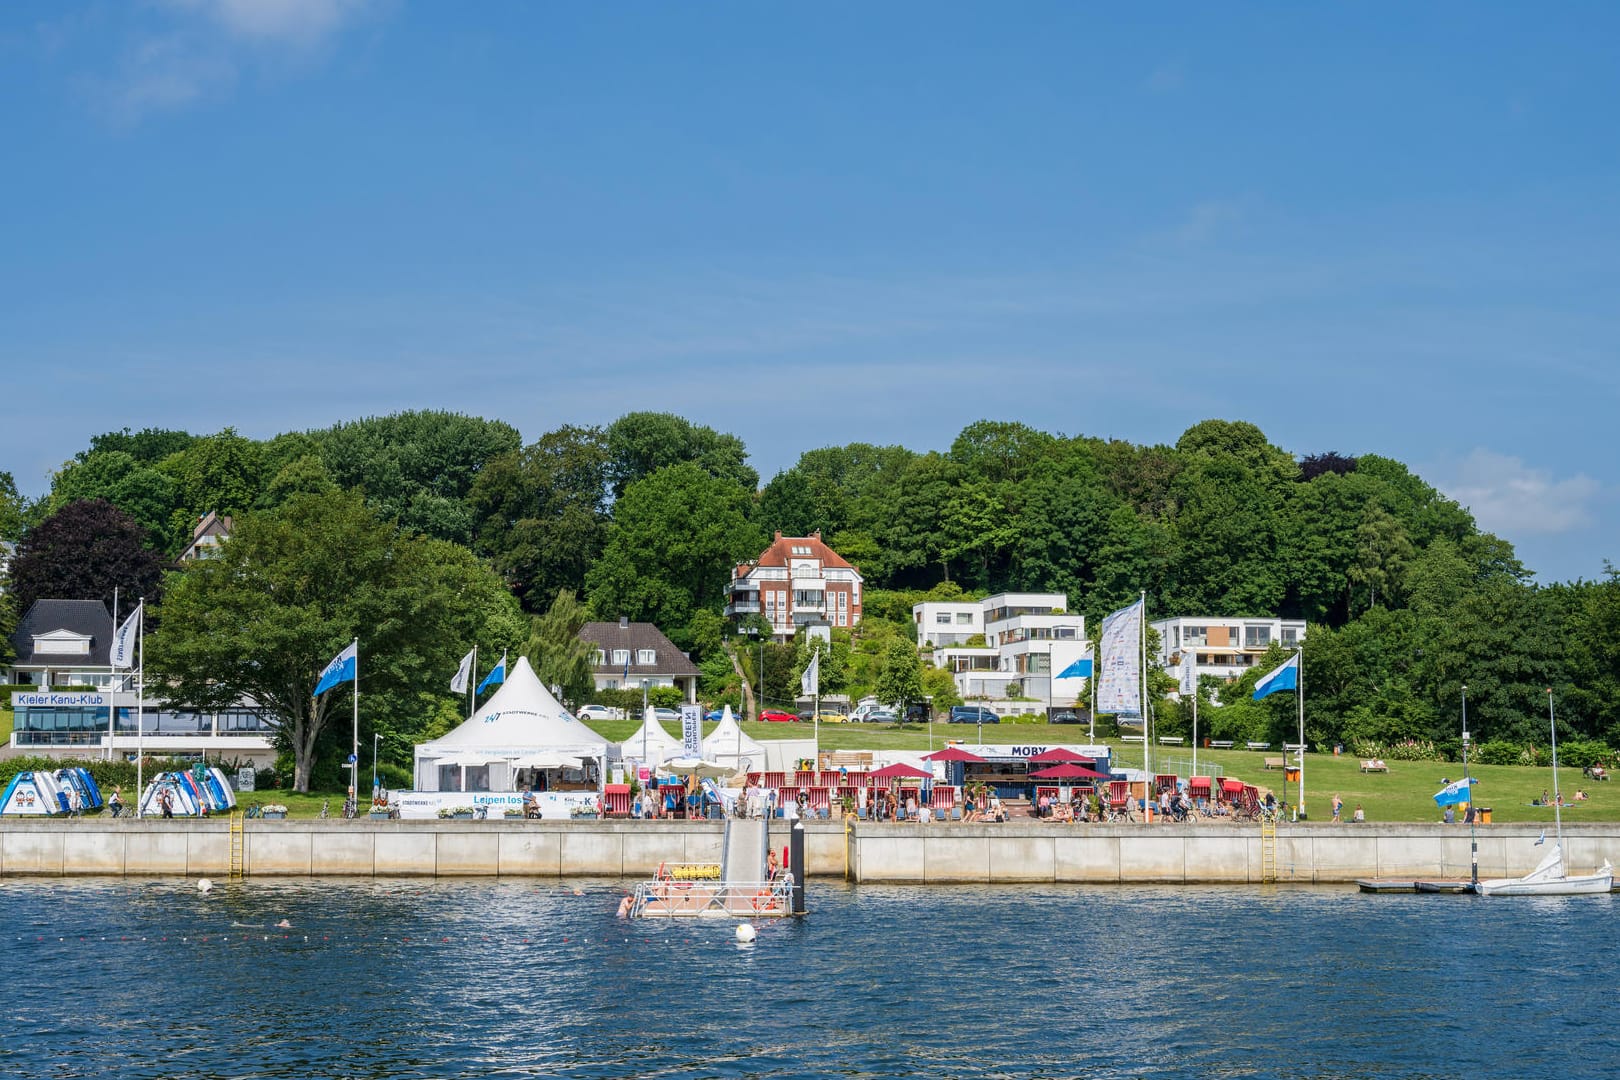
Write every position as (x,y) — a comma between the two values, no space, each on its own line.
(1366,228)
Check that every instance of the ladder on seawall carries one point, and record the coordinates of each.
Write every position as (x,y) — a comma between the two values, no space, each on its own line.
(1268,852)
(238,843)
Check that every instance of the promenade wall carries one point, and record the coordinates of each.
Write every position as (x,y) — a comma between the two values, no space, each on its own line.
(1014,852)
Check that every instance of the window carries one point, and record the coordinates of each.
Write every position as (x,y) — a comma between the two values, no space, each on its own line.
(964,618)
(601,658)
(943,618)
(621,657)
(647,657)
(1290,635)
(1256,637)
(843,618)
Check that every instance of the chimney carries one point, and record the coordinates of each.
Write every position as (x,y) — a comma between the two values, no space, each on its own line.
(816,535)
(624,622)
(779,534)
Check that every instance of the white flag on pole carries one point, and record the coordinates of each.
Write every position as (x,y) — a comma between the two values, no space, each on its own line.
(1119,683)
(125,640)
(810,681)
(458,685)
(1189,673)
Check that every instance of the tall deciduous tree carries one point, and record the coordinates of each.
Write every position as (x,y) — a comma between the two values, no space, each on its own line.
(899,682)
(142,490)
(675,538)
(292,588)
(12,508)
(83,551)
(559,656)
(641,443)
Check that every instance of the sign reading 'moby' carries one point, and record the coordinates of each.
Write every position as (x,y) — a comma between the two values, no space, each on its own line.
(35,700)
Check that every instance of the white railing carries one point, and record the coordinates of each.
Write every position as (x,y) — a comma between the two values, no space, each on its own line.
(670,899)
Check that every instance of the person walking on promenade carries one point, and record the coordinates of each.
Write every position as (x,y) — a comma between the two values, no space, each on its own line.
(1338,810)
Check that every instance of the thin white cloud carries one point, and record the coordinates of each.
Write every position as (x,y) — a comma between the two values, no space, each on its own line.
(203,47)
(302,23)
(1510,498)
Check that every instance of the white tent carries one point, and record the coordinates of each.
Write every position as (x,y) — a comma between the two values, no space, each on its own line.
(651,744)
(522,722)
(727,744)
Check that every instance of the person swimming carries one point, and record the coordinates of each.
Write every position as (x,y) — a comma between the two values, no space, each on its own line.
(284,925)
(625,904)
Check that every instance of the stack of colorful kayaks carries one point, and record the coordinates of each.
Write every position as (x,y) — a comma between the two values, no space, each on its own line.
(51,793)
(191,793)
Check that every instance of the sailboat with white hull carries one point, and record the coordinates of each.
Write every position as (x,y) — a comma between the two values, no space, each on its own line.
(1549,878)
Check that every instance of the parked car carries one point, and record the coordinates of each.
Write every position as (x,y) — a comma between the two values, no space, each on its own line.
(714,716)
(597,712)
(1064,717)
(917,714)
(777,716)
(664,715)
(881,716)
(973,714)
(834,718)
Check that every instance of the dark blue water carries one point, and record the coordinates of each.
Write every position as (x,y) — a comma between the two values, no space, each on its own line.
(524,979)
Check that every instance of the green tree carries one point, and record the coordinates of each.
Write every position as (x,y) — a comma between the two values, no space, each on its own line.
(13,508)
(899,683)
(558,654)
(641,443)
(675,538)
(222,473)
(83,551)
(142,491)
(294,587)
(541,514)
(147,446)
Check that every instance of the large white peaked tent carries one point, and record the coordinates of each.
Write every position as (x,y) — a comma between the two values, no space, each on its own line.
(651,744)
(521,726)
(728,745)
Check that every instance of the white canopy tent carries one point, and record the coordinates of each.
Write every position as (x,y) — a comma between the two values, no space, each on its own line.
(651,744)
(521,726)
(728,745)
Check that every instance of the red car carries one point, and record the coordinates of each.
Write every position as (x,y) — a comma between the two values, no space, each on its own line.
(777,716)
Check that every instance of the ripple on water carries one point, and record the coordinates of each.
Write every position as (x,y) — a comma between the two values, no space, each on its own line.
(520,979)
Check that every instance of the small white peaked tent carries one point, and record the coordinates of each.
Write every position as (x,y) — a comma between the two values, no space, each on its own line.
(521,726)
(651,744)
(728,745)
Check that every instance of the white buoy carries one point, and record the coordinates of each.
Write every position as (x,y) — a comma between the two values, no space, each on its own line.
(204,885)
(746,932)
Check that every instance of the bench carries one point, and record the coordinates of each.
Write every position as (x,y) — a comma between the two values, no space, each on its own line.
(1171,740)
(1375,765)
(1131,738)
(1274,762)
(1220,744)
(1258,745)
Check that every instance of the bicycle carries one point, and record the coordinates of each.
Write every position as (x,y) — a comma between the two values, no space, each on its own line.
(326,811)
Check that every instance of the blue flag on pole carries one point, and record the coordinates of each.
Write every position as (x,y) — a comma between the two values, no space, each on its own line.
(340,670)
(1458,791)
(497,674)
(1285,677)
(1080,669)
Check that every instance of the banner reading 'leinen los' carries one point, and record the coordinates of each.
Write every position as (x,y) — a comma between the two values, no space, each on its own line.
(1119,683)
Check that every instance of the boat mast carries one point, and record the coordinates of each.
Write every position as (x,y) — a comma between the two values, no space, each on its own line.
(1558,800)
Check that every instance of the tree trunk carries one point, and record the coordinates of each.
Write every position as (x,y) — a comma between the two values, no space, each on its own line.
(747,691)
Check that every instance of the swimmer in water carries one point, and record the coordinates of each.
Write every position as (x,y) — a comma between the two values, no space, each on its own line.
(625,904)
(283,925)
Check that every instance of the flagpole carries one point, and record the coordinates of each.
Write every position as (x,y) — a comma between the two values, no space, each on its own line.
(472,681)
(1301,696)
(1146,735)
(140,711)
(1091,734)
(112,686)
(1195,722)
(1473,839)
(354,758)
(815,658)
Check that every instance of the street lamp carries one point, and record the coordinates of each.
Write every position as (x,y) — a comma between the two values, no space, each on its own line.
(759,703)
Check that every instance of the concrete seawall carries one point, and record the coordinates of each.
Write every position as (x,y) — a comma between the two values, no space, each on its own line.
(1027,852)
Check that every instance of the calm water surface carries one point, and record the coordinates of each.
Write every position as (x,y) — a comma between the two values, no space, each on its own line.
(524,979)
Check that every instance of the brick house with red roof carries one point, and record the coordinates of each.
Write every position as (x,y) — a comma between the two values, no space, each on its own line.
(798,581)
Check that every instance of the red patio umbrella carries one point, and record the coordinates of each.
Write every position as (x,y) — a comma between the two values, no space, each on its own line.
(1068,772)
(1058,754)
(900,771)
(952,753)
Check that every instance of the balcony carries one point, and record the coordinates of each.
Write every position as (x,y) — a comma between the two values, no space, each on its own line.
(743,607)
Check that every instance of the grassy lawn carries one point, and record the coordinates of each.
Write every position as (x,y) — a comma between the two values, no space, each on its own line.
(1405,793)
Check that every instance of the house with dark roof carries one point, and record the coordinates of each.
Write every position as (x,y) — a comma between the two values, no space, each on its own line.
(795,583)
(63,643)
(630,655)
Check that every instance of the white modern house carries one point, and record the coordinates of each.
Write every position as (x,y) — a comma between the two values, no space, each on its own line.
(1222,647)
(1026,638)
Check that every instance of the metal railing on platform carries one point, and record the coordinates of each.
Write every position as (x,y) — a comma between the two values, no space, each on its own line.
(673,899)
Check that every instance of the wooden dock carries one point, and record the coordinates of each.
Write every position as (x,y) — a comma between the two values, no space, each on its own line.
(1410,885)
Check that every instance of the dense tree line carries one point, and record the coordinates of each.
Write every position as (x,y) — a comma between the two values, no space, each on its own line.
(645,517)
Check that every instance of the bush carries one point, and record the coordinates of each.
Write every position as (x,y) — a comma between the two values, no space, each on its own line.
(1023,718)
(1498,752)
(1583,753)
